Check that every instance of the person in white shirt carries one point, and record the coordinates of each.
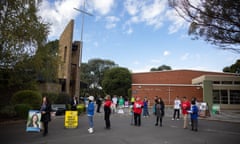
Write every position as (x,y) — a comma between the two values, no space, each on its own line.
(176,107)
(114,103)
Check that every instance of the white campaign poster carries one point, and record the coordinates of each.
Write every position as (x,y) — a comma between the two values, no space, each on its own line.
(33,121)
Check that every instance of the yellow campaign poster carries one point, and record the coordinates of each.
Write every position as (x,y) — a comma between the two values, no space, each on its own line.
(71,119)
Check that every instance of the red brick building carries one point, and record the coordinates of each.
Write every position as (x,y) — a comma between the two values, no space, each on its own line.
(189,83)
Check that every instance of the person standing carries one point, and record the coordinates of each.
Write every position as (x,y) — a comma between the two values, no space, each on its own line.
(114,103)
(185,107)
(145,107)
(90,113)
(99,103)
(159,109)
(194,116)
(176,107)
(137,110)
(46,116)
(121,102)
(107,111)
(74,103)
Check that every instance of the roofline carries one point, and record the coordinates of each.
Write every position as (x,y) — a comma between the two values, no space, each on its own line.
(183,70)
(180,85)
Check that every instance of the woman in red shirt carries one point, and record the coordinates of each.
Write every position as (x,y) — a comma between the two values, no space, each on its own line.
(107,111)
(137,110)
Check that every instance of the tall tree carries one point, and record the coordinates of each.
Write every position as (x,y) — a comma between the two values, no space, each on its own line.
(46,62)
(92,73)
(234,68)
(117,81)
(21,31)
(216,21)
(161,68)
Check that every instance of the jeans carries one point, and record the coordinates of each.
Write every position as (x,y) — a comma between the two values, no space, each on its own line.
(90,121)
(137,119)
(145,112)
(176,111)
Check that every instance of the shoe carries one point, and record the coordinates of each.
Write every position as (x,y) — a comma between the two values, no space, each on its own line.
(173,119)
(156,124)
(178,119)
(160,125)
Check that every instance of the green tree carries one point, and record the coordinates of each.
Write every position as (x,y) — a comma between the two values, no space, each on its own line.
(92,74)
(117,81)
(46,62)
(161,68)
(234,68)
(21,31)
(216,21)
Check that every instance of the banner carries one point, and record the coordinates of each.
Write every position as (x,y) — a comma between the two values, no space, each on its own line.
(33,121)
(71,119)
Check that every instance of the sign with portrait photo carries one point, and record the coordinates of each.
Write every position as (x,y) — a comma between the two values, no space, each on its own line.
(33,121)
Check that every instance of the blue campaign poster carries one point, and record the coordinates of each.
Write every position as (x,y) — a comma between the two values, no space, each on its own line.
(33,121)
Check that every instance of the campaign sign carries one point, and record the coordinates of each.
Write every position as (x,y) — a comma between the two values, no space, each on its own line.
(33,121)
(71,119)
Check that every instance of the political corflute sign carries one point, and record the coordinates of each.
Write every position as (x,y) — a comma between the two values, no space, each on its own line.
(33,121)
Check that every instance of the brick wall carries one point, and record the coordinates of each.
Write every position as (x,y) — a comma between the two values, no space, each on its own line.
(163,83)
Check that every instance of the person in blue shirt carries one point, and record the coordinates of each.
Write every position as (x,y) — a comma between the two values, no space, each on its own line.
(194,116)
(90,113)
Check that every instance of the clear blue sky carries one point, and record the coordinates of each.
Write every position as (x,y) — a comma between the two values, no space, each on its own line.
(135,34)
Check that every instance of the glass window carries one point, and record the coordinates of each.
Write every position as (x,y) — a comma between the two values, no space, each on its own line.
(237,82)
(226,82)
(216,96)
(234,96)
(224,96)
(216,82)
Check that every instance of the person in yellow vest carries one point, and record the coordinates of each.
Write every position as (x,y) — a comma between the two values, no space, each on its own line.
(132,100)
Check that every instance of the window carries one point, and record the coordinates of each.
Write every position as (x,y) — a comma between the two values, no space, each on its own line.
(226,82)
(216,96)
(237,82)
(216,82)
(220,96)
(234,96)
(65,54)
(224,96)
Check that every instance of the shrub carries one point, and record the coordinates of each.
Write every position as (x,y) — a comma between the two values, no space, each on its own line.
(68,106)
(8,112)
(51,96)
(80,108)
(22,110)
(62,98)
(29,97)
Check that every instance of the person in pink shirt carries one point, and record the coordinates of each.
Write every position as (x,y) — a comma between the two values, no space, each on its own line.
(185,106)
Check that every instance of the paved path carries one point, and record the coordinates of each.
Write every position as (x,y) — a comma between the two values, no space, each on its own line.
(211,131)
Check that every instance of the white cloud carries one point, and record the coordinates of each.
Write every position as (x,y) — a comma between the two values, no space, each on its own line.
(111,22)
(166,53)
(146,12)
(101,6)
(177,21)
(132,6)
(185,56)
(58,14)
